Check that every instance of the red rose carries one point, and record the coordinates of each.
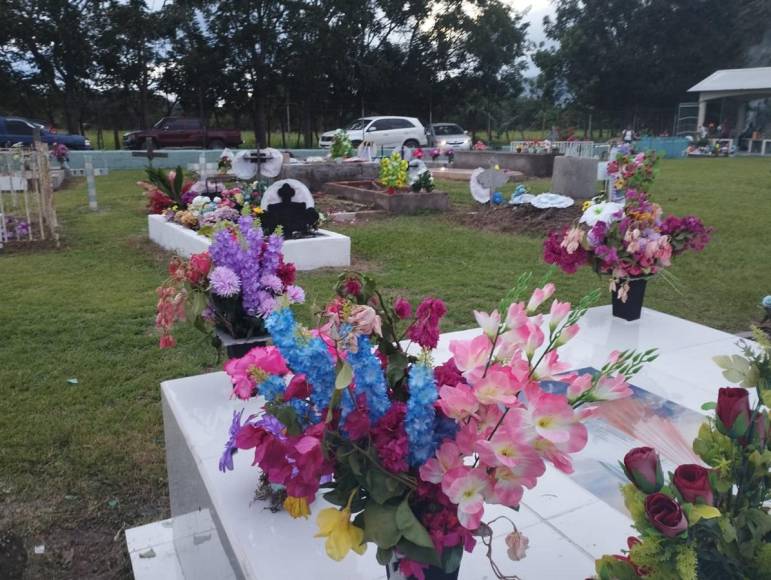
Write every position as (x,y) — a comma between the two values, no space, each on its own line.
(643,468)
(665,514)
(352,287)
(692,481)
(733,411)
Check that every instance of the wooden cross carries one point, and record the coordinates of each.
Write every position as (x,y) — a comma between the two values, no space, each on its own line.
(150,153)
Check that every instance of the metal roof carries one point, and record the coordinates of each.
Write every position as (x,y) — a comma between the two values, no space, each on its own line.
(735,79)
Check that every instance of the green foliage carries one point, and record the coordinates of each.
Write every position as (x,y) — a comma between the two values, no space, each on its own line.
(610,568)
(425,181)
(341,145)
(160,178)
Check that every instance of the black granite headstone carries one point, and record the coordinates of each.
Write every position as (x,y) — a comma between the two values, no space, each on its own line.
(296,220)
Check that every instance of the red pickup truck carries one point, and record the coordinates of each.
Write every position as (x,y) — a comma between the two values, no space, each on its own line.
(182,132)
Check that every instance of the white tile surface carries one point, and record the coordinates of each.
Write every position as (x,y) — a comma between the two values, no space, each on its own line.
(327,250)
(163,565)
(568,526)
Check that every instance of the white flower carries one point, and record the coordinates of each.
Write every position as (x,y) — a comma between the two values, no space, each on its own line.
(601,212)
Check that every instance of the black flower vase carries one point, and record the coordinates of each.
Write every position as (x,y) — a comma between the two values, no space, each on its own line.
(236,331)
(632,308)
(431,573)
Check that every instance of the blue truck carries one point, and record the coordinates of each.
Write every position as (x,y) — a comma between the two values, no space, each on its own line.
(19,130)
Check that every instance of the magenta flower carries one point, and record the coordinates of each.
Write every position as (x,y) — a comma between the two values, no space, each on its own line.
(402,307)
(425,329)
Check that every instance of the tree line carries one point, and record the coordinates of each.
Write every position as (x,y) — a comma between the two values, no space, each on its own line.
(308,65)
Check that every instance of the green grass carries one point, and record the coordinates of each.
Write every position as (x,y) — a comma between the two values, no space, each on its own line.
(88,458)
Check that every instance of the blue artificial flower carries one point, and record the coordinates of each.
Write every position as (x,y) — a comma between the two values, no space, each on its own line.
(305,414)
(444,428)
(226,460)
(369,378)
(307,356)
(272,388)
(419,419)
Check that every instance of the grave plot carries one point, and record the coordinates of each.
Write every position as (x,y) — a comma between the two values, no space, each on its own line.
(402,188)
(184,214)
(27,211)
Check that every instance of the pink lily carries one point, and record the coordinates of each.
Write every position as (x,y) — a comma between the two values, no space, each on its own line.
(539,296)
(447,458)
(489,323)
(458,402)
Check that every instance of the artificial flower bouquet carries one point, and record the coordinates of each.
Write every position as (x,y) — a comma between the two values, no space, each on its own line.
(233,286)
(408,453)
(708,521)
(198,205)
(61,153)
(632,171)
(393,172)
(341,145)
(626,241)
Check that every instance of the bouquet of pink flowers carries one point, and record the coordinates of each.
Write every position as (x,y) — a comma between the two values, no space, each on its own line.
(435,153)
(626,241)
(408,453)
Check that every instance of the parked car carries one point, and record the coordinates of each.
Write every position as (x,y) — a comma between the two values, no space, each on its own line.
(450,135)
(382,131)
(19,130)
(182,132)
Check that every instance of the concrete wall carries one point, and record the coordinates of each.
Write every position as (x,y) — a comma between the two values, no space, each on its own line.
(531,164)
(315,175)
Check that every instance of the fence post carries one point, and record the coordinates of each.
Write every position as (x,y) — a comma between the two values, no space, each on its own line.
(90,182)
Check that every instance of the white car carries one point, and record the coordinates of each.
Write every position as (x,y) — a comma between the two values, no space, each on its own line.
(451,136)
(382,131)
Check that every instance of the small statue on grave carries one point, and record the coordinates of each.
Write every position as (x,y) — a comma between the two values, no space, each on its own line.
(296,219)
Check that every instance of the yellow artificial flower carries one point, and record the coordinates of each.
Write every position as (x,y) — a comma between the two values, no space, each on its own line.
(619,183)
(297,507)
(587,204)
(335,525)
(257,210)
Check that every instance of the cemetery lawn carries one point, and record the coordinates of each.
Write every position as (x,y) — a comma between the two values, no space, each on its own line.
(81,452)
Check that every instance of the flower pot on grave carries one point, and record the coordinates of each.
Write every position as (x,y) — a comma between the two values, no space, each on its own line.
(632,307)
(236,330)
(431,573)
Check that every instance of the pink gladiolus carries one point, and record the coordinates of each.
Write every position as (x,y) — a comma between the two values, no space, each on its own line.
(516,315)
(566,334)
(447,458)
(558,313)
(530,337)
(488,417)
(554,419)
(539,296)
(496,387)
(489,323)
(578,386)
(611,389)
(550,367)
(472,354)
(466,488)
(458,402)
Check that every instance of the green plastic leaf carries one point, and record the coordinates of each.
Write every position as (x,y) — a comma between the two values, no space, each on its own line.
(418,553)
(737,369)
(344,376)
(709,406)
(382,487)
(765,396)
(411,527)
(451,559)
(380,525)
(700,511)
(384,556)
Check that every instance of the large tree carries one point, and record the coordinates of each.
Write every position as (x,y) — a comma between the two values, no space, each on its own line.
(624,54)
